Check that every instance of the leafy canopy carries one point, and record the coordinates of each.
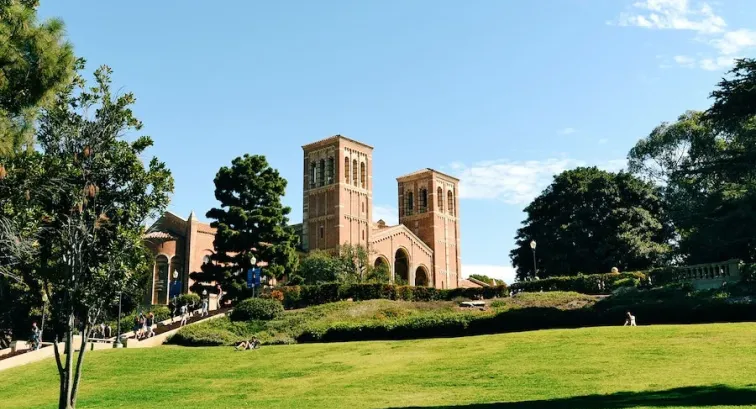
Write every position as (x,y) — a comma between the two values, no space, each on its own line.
(588,221)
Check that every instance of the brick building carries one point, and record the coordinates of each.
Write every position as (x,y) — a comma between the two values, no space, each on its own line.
(423,249)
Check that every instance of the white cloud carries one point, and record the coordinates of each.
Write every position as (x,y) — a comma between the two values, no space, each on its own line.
(567,131)
(516,182)
(505,272)
(388,214)
(709,27)
(603,141)
(673,15)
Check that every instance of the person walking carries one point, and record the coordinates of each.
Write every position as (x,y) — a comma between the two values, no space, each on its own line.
(36,342)
(149,321)
(184,315)
(220,295)
(630,320)
(205,307)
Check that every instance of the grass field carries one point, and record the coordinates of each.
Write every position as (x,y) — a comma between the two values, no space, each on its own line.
(655,366)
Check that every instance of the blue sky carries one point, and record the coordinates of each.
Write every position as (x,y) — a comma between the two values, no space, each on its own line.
(503,94)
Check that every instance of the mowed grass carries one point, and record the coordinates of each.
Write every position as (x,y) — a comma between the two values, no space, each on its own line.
(612,367)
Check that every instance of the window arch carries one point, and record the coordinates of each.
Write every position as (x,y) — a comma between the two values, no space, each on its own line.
(423,199)
(331,164)
(450,204)
(346,170)
(321,173)
(354,172)
(313,173)
(363,175)
(440,199)
(409,204)
(206,260)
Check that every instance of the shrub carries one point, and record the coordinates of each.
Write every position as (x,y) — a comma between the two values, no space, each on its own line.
(187,299)
(257,309)
(586,284)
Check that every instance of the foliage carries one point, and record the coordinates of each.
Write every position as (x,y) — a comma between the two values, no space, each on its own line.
(585,284)
(36,63)
(308,295)
(256,309)
(250,222)
(349,264)
(187,299)
(86,194)
(589,220)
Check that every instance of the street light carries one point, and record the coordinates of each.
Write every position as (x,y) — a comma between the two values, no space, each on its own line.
(535,268)
(117,343)
(44,310)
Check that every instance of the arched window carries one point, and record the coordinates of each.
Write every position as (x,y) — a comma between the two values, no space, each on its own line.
(329,170)
(410,204)
(313,173)
(206,260)
(354,172)
(450,205)
(423,200)
(346,170)
(363,175)
(321,173)
(440,199)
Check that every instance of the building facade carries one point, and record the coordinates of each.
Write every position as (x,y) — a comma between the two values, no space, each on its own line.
(423,249)
(337,209)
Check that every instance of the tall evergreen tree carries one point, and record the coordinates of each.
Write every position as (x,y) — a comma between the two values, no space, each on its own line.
(35,63)
(251,222)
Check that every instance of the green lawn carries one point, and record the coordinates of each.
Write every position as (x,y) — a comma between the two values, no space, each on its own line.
(655,366)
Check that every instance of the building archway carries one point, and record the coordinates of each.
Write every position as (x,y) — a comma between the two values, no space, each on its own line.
(401,267)
(382,267)
(160,280)
(421,277)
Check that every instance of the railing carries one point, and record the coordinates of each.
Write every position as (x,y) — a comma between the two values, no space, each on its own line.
(700,275)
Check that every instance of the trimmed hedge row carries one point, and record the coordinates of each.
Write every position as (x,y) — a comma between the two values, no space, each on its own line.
(528,319)
(308,295)
(585,284)
(256,309)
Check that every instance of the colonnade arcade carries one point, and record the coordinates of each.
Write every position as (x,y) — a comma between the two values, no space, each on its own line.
(401,268)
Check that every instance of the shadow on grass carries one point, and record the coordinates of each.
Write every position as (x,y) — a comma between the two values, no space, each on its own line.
(690,396)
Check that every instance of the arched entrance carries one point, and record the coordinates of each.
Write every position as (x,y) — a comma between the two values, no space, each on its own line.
(382,269)
(401,267)
(421,277)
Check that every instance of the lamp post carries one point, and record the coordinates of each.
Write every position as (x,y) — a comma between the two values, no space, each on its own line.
(44,310)
(117,343)
(253,262)
(535,268)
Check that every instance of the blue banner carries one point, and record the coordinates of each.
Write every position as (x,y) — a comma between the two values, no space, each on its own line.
(257,276)
(250,278)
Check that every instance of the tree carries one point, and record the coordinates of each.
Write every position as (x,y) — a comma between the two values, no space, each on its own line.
(588,221)
(35,63)
(91,224)
(251,222)
(349,264)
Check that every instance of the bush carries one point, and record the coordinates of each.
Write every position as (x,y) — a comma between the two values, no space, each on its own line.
(217,332)
(187,299)
(586,284)
(256,309)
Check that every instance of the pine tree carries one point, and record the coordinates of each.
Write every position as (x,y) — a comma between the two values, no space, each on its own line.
(251,222)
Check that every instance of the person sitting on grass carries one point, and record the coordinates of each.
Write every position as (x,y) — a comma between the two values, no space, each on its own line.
(630,320)
(253,343)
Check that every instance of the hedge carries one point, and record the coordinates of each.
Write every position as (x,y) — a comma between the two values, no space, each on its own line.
(528,319)
(585,284)
(308,295)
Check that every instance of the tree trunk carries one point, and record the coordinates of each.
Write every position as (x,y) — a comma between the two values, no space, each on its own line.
(66,372)
(79,361)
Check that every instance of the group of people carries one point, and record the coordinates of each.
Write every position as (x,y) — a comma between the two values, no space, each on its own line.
(143,326)
(102,331)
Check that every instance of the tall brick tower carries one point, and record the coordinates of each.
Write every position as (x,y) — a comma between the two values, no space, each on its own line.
(428,203)
(338,193)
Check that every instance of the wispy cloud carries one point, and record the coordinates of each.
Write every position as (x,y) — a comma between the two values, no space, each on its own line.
(567,131)
(700,18)
(516,182)
(501,272)
(388,214)
(603,141)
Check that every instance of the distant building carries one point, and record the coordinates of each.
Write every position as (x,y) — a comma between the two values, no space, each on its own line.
(337,209)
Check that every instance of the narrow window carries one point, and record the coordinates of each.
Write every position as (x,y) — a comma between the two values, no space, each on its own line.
(331,163)
(313,173)
(322,232)
(410,204)
(423,200)
(363,175)
(440,199)
(354,172)
(450,205)
(321,173)
(346,170)
(363,235)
